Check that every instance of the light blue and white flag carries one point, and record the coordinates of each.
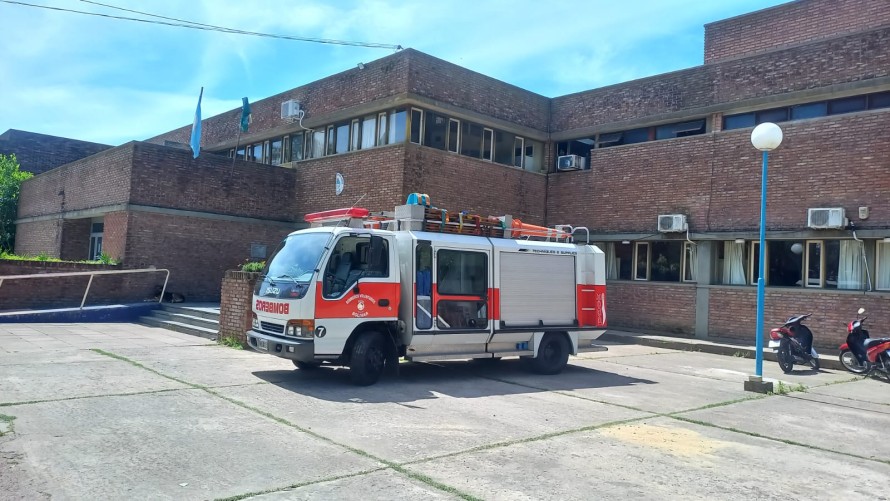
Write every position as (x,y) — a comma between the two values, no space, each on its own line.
(196,128)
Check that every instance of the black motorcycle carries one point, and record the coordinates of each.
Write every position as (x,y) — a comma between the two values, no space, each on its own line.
(793,344)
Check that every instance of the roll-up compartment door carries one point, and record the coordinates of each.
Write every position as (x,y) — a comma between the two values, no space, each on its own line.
(536,289)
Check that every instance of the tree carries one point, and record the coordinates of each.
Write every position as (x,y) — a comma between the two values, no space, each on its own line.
(11,179)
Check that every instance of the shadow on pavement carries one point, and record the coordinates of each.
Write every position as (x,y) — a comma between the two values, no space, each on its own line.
(463,379)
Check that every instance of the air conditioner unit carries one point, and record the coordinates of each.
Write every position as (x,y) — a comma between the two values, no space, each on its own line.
(570,162)
(290,108)
(824,219)
(671,222)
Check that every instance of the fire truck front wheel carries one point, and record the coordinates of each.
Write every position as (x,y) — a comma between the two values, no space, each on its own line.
(368,358)
(553,354)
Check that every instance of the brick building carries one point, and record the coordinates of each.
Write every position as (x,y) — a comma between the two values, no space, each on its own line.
(613,159)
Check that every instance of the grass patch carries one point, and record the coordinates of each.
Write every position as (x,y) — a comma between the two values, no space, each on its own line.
(784,389)
(716,404)
(8,420)
(741,354)
(231,342)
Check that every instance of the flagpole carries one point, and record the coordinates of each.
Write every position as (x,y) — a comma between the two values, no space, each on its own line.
(243,124)
(235,153)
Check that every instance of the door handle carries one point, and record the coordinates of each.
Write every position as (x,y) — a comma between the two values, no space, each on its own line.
(383,302)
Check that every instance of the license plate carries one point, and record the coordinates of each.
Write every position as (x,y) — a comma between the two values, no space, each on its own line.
(262,344)
(773,344)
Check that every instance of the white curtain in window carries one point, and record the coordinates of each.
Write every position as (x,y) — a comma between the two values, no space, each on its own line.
(691,259)
(611,262)
(849,269)
(883,278)
(734,263)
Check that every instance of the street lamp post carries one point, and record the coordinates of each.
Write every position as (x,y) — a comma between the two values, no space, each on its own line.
(765,137)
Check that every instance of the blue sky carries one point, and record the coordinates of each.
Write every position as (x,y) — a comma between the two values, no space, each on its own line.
(112,81)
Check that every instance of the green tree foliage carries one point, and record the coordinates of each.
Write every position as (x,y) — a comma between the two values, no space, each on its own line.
(11,179)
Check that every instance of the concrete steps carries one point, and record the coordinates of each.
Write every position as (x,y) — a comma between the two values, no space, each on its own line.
(197,319)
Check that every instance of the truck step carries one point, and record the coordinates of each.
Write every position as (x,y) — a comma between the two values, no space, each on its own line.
(429,357)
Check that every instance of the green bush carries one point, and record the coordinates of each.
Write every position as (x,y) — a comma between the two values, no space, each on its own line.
(46,258)
(106,259)
(231,342)
(11,179)
(255,266)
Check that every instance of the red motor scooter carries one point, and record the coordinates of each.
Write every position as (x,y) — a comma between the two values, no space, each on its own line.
(863,355)
(793,343)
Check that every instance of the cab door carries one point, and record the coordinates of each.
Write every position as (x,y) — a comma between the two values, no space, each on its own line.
(357,284)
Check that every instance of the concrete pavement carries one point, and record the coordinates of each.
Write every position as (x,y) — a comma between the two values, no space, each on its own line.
(114,411)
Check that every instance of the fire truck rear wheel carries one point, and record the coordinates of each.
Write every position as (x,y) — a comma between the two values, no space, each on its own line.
(553,354)
(306,366)
(368,359)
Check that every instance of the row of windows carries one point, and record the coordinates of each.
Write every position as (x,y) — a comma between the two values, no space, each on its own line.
(808,110)
(417,125)
(828,264)
(387,127)
(474,140)
(582,146)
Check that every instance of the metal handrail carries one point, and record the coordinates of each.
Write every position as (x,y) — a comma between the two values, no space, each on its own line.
(91,274)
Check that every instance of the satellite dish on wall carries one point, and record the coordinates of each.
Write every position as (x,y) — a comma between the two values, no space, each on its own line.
(339,183)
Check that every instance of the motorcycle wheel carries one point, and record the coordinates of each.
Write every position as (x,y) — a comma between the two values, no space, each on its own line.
(784,357)
(849,361)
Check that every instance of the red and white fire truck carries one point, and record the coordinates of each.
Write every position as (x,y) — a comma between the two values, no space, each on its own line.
(433,285)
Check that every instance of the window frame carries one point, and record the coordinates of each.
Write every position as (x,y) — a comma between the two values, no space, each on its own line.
(806,264)
(456,139)
(330,140)
(382,128)
(365,134)
(754,261)
(272,157)
(355,127)
(879,265)
(684,262)
(636,263)
(521,156)
(490,133)
(96,239)
(416,113)
(285,149)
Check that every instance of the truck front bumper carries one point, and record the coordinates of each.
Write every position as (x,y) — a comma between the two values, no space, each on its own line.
(291,349)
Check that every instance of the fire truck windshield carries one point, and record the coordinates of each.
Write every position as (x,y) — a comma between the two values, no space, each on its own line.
(297,257)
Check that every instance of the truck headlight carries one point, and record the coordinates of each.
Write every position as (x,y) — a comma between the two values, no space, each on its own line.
(300,328)
(255,322)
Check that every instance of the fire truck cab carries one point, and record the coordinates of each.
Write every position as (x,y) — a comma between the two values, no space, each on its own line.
(362,296)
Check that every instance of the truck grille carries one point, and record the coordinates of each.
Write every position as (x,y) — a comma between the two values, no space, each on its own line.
(270,327)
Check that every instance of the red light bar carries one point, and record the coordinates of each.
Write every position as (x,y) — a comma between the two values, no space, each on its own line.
(337,214)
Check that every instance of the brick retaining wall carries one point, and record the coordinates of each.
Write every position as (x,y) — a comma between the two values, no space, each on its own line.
(235,303)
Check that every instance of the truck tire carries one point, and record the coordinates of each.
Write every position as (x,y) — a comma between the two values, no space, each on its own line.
(368,358)
(553,354)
